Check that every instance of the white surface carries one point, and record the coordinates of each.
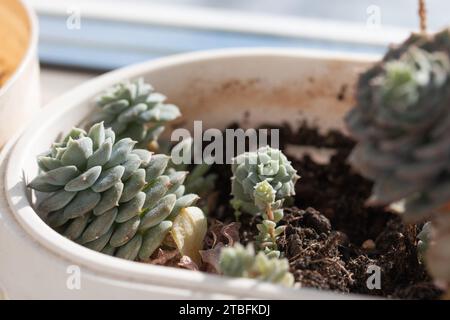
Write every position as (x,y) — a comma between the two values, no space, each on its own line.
(210,18)
(38,256)
(55,82)
(395,13)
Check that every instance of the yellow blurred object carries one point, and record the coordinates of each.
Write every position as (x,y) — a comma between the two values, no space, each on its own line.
(188,231)
(14,44)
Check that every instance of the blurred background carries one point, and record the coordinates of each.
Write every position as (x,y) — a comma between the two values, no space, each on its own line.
(82,38)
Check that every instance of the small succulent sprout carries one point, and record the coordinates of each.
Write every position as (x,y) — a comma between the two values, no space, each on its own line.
(251,168)
(401,124)
(240,261)
(108,196)
(261,182)
(272,213)
(133,109)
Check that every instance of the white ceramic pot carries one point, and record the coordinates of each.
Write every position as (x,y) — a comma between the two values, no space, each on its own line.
(19,95)
(218,87)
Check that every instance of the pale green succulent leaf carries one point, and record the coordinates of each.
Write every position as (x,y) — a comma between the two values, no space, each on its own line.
(56,219)
(120,151)
(57,177)
(77,152)
(185,201)
(179,192)
(97,135)
(75,134)
(133,185)
(76,227)
(108,250)
(116,107)
(56,201)
(157,166)
(131,249)
(132,114)
(84,180)
(100,243)
(154,132)
(125,231)
(83,202)
(99,226)
(111,135)
(156,190)
(176,180)
(49,163)
(132,163)
(153,239)
(131,208)
(109,199)
(101,156)
(108,178)
(144,155)
(158,213)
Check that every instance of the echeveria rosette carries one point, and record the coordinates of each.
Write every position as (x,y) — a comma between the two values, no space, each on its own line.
(401,123)
(108,196)
(265,164)
(133,109)
(239,261)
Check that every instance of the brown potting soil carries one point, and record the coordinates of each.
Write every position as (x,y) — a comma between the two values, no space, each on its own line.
(333,241)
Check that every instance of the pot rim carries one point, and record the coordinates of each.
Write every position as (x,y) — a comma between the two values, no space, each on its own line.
(135,272)
(31,50)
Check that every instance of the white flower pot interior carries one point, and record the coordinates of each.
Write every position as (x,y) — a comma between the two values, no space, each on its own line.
(221,87)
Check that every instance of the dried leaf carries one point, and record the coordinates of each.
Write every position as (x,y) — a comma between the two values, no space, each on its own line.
(163,257)
(220,233)
(211,258)
(188,232)
(231,232)
(187,263)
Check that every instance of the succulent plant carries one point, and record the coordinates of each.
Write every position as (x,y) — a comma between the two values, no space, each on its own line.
(272,213)
(239,261)
(401,122)
(261,181)
(134,110)
(251,168)
(108,196)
